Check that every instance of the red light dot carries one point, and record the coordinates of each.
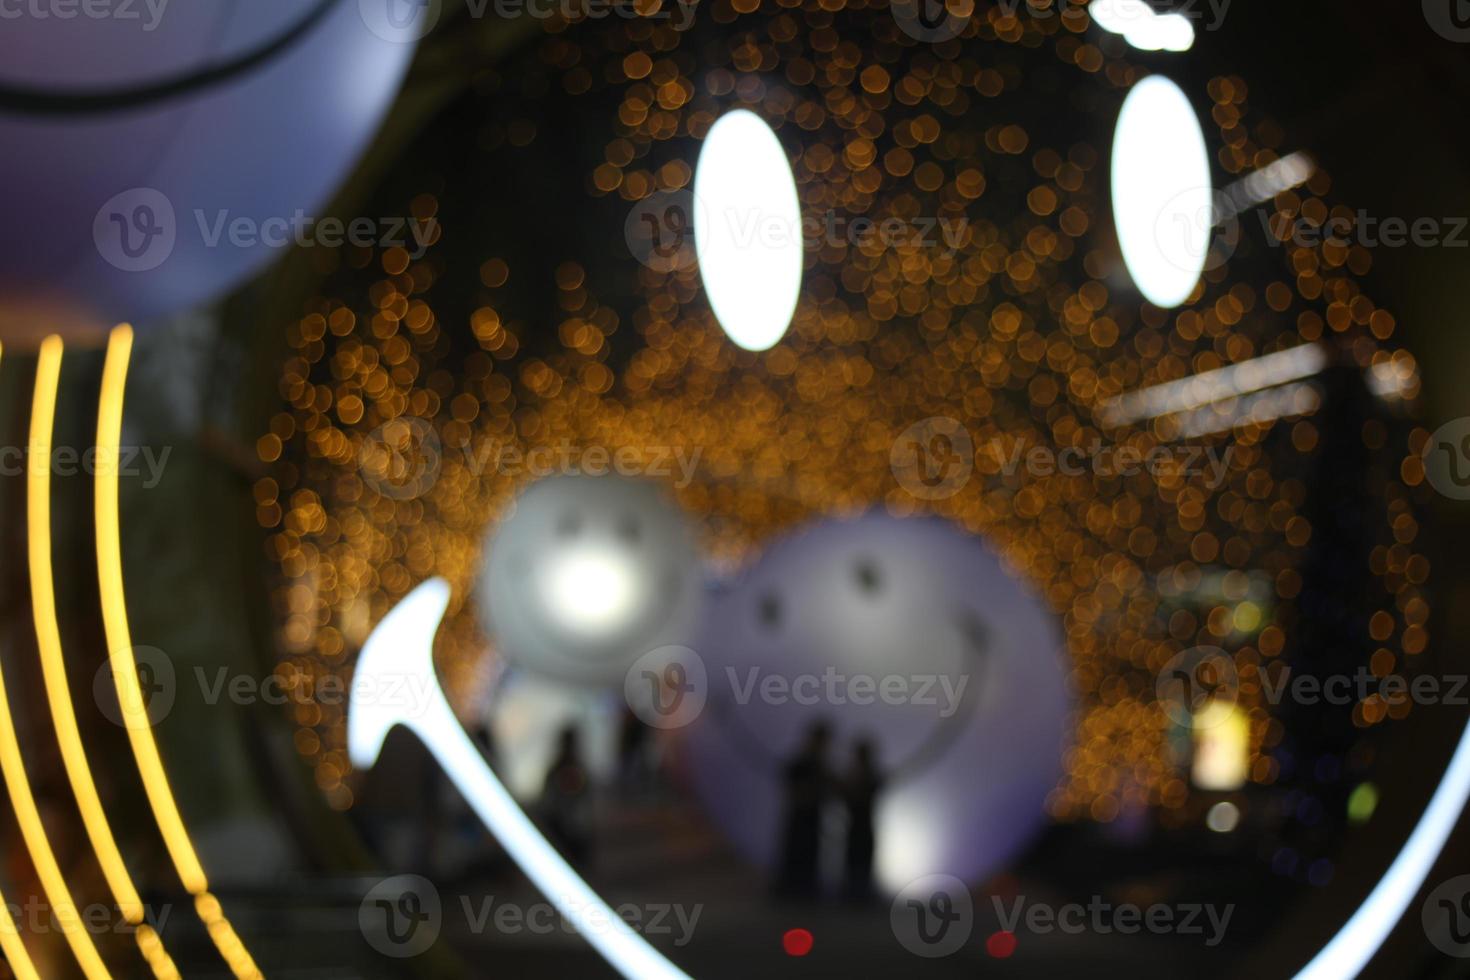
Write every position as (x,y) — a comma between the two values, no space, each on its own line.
(797,942)
(1001,944)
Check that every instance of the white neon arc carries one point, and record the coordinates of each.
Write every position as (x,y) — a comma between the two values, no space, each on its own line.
(1356,942)
(398,657)
(397,666)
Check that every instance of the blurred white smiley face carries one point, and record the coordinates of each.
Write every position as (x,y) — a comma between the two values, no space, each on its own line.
(586,574)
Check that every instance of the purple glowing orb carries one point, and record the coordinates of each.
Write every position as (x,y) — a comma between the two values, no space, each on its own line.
(908,633)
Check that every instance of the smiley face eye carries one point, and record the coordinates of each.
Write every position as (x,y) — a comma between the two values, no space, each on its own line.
(770,611)
(569,525)
(629,530)
(869,578)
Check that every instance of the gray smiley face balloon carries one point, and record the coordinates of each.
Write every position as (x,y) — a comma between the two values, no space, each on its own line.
(909,634)
(588,573)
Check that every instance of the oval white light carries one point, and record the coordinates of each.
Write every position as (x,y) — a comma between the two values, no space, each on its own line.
(747,230)
(1162,195)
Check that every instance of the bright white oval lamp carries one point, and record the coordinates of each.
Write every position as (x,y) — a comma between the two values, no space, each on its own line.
(747,230)
(1163,200)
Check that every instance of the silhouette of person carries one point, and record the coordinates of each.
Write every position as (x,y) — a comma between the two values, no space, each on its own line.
(634,768)
(807,786)
(431,815)
(860,791)
(566,799)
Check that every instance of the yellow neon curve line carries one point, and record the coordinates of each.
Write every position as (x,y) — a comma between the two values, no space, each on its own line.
(34,834)
(13,948)
(11,944)
(125,669)
(18,786)
(158,959)
(53,664)
(48,635)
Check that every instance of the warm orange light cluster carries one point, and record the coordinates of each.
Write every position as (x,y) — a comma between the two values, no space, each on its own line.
(1019,328)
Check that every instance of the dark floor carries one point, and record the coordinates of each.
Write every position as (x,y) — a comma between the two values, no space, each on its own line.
(663,853)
